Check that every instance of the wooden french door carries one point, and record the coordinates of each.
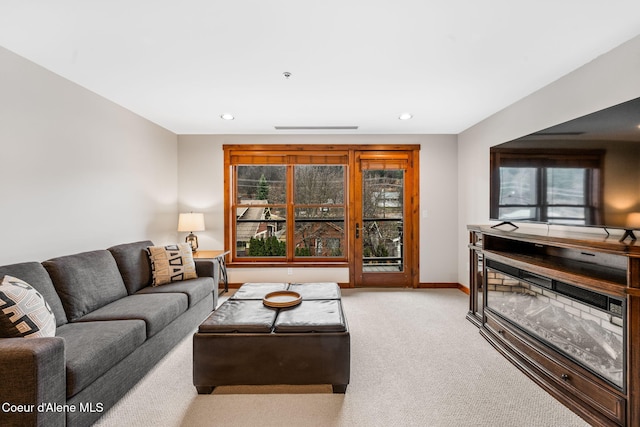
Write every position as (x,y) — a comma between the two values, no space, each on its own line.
(385,221)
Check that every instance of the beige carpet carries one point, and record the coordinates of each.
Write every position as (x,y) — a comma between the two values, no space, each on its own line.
(415,361)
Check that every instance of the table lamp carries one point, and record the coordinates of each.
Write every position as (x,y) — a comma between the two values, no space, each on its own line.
(191,222)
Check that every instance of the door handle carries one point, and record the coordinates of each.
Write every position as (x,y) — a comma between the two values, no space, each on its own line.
(357,230)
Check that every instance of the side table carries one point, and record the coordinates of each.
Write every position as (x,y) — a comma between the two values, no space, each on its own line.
(220,257)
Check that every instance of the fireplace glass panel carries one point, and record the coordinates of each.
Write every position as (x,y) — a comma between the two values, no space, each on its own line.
(592,337)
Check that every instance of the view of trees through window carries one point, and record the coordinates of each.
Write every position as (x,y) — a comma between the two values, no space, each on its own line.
(382,223)
(269,196)
(319,210)
(352,207)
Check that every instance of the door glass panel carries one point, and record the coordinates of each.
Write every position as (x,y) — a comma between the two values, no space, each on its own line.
(382,220)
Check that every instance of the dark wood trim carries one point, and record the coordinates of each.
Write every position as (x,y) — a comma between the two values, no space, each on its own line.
(325,148)
(364,158)
(415,217)
(438,285)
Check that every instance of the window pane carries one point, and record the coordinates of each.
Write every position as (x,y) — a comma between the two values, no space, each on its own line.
(319,213)
(518,213)
(264,244)
(319,184)
(264,183)
(518,186)
(319,231)
(319,239)
(261,231)
(566,186)
(568,214)
(569,221)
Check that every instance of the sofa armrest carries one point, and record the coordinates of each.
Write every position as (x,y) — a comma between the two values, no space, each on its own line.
(206,267)
(32,371)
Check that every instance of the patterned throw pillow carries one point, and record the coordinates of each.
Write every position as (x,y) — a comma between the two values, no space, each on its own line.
(171,263)
(23,311)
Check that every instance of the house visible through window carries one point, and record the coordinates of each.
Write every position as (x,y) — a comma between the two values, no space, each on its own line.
(319,208)
(261,210)
(288,206)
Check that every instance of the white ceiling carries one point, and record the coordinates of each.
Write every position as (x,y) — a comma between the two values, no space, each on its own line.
(181,64)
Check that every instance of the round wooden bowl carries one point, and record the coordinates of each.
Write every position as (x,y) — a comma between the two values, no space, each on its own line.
(280,299)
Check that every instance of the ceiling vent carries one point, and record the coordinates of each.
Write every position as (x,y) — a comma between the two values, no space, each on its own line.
(316,127)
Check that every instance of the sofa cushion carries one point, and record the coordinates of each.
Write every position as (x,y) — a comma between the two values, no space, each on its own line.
(133,263)
(157,310)
(35,275)
(86,281)
(23,311)
(195,289)
(171,263)
(92,348)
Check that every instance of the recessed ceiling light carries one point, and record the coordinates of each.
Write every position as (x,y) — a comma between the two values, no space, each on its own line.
(227,116)
(405,116)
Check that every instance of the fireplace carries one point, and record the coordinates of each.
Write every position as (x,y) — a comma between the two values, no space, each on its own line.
(584,325)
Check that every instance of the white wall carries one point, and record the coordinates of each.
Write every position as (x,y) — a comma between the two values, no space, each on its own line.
(607,80)
(81,173)
(78,172)
(200,186)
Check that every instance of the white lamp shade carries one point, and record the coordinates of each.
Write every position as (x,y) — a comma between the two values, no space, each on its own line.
(191,222)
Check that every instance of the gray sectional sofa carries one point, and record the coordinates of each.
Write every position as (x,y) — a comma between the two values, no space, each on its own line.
(112,327)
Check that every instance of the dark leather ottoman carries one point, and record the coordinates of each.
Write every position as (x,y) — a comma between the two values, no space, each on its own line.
(245,343)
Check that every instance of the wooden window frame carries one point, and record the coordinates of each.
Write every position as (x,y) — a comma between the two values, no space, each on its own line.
(288,156)
(304,154)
